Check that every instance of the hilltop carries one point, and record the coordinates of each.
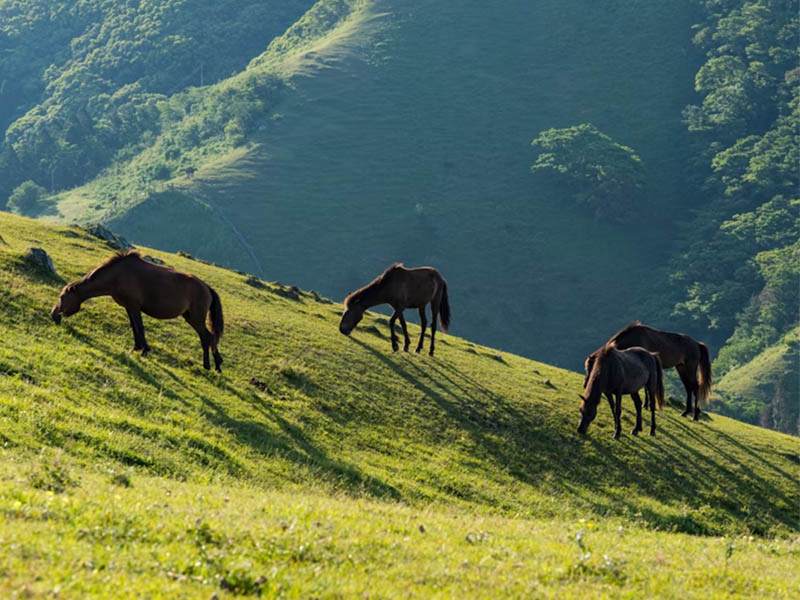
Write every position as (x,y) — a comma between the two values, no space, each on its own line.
(302,412)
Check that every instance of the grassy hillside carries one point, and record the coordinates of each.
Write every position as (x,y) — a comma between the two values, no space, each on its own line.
(764,391)
(407,132)
(315,458)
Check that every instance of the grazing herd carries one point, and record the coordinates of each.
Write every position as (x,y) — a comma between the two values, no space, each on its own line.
(632,360)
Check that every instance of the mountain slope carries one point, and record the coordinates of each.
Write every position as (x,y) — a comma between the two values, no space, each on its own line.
(301,406)
(411,126)
(764,391)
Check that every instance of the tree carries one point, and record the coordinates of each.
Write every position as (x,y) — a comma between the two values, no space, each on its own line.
(26,197)
(604,175)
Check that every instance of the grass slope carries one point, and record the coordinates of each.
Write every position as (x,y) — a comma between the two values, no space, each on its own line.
(762,390)
(314,458)
(411,125)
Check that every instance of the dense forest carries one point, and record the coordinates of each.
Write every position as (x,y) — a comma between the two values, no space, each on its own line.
(144,92)
(81,81)
(739,271)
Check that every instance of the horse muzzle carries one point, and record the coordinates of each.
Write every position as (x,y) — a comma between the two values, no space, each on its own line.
(345,330)
(55,314)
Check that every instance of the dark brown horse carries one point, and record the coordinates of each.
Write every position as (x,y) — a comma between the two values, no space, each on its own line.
(401,288)
(617,372)
(689,357)
(142,287)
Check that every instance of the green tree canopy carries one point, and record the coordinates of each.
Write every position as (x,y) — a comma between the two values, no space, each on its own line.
(604,175)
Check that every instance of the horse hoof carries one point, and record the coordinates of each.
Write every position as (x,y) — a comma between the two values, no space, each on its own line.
(430,353)
(616,436)
(696,417)
(405,348)
(684,413)
(417,350)
(652,433)
(635,432)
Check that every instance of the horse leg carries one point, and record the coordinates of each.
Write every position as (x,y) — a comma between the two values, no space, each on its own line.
(405,332)
(136,317)
(422,323)
(137,345)
(691,374)
(434,318)
(217,355)
(617,414)
(613,408)
(392,319)
(199,325)
(681,369)
(637,402)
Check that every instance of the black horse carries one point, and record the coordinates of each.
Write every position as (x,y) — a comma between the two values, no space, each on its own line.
(617,372)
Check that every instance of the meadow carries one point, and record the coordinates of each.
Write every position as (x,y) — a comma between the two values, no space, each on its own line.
(323,466)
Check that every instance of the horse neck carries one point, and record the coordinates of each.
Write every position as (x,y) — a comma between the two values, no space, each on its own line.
(598,379)
(374,295)
(100,283)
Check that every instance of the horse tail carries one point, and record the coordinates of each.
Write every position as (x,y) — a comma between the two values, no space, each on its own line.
(215,310)
(444,308)
(703,374)
(659,392)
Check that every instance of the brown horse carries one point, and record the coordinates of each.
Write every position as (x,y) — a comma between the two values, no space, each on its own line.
(401,288)
(617,372)
(142,287)
(690,358)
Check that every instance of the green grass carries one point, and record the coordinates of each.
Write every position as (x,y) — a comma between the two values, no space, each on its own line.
(313,459)
(407,131)
(751,391)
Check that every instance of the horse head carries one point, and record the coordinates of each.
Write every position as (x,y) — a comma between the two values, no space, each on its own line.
(353,313)
(68,304)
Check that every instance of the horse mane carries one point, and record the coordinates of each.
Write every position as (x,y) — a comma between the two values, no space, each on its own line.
(118,256)
(625,330)
(600,356)
(377,281)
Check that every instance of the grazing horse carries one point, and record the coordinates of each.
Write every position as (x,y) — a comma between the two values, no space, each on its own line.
(617,372)
(142,287)
(401,288)
(690,358)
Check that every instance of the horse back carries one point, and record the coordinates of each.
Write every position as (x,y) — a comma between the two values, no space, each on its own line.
(416,287)
(167,293)
(672,348)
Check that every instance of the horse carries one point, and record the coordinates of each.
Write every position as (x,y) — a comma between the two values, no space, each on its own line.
(689,357)
(401,288)
(143,287)
(621,372)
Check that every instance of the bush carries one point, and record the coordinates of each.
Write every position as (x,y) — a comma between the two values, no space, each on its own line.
(26,197)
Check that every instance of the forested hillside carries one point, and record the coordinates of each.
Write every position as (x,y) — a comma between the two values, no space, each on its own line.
(82,80)
(739,263)
(319,142)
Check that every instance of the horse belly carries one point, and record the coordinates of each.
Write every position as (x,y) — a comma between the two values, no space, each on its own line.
(634,385)
(165,311)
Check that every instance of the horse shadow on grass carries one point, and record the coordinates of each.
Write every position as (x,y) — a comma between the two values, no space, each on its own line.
(531,447)
(290,443)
